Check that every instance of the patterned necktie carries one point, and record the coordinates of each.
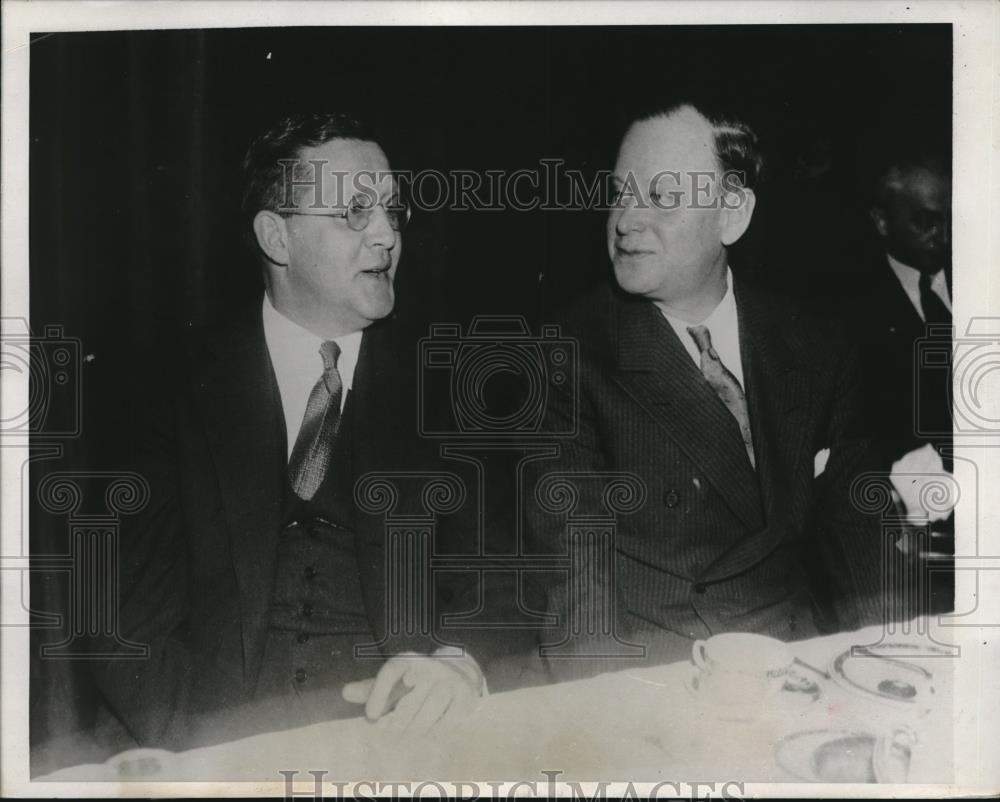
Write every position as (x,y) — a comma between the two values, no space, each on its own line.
(725,385)
(311,454)
(934,309)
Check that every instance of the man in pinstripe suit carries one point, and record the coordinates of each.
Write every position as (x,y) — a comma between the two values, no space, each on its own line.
(739,416)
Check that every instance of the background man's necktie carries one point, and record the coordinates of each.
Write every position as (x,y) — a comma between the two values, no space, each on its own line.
(934,309)
(311,455)
(725,385)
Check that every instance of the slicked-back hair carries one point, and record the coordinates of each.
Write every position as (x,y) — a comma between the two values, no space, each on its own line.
(264,174)
(737,148)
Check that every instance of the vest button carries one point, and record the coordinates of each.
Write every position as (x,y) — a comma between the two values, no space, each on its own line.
(307,610)
(670,498)
(303,637)
(300,675)
(700,587)
(310,572)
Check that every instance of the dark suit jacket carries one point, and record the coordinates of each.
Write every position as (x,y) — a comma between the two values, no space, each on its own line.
(716,546)
(197,565)
(907,406)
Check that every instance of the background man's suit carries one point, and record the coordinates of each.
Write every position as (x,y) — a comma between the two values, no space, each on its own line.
(900,397)
(718,546)
(199,566)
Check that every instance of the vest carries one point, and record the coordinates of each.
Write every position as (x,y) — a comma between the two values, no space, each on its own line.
(317,613)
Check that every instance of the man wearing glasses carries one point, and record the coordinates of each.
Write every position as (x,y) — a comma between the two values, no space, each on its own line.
(252,574)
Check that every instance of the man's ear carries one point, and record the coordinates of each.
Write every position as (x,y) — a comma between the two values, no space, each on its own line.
(738,204)
(877,214)
(272,236)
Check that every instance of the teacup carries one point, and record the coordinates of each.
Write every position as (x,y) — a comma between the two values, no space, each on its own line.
(741,671)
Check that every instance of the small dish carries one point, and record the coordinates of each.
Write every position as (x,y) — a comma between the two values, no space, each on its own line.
(828,756)
(886,673)
(798,693)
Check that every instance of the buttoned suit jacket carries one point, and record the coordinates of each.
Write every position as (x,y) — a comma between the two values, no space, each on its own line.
(198,563)
(716,545)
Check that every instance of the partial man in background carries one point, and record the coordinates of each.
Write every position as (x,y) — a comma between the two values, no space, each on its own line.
(904,292)
(740,415)
(901,311)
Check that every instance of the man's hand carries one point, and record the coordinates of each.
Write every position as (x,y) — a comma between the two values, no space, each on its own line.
(431,690)
(912,474)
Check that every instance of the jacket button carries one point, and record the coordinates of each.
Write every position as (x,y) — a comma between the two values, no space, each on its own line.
(700,587)
(310,572)
(670,498)
(303,637)
(307,610)
(300,675)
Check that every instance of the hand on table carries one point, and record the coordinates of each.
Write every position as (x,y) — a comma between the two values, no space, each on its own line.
(921,484)
(432,691)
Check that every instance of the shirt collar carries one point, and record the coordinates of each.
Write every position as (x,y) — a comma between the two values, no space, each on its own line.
(724,311)
(284,335)
(908,276)
(909,280)
(723,325)
(296,350)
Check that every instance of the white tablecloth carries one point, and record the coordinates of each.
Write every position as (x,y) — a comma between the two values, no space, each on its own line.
(640,725)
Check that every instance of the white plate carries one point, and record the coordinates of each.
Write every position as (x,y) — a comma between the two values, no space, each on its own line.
(828,755)
(885,673)
(785,701)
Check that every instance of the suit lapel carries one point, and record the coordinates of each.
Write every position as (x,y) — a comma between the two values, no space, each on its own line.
(657,372)
(778,389)
(382,439)
(241,410)
(894,306)
(369,537)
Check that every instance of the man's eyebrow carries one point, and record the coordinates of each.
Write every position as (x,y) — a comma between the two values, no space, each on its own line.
(394,194)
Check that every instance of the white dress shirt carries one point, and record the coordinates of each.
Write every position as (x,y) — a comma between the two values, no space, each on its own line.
(298,365)
(909,278)
(724,327)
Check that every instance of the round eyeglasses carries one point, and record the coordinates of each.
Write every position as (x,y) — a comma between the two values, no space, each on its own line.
(358,213)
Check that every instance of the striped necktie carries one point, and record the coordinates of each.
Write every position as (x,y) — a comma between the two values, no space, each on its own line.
(311,455)
(725,385)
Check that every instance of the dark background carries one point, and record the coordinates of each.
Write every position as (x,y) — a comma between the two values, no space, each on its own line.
(137,139)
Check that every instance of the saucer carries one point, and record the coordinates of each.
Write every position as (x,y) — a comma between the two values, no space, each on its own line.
(828,755)
(885,673)
(798,694)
